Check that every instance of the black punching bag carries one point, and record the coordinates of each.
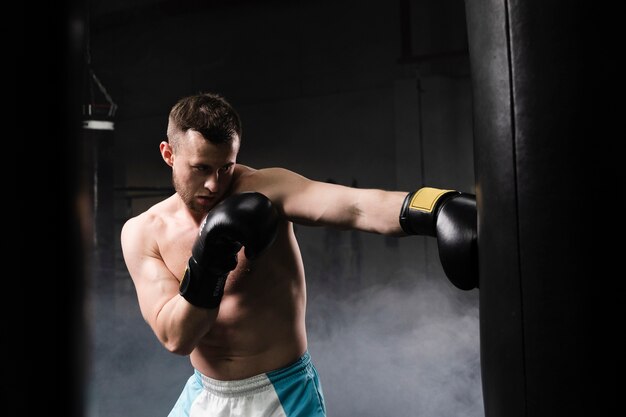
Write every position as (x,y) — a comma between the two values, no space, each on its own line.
(547,199)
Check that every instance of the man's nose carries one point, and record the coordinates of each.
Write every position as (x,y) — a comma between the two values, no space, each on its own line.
(211,183)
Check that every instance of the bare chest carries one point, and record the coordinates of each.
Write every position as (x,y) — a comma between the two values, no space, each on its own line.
(175,249)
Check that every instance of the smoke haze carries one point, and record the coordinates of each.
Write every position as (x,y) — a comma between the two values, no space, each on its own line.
(387,338)
(397,350)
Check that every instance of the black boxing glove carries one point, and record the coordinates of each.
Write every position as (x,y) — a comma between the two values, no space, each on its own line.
(248,219)
(451,217)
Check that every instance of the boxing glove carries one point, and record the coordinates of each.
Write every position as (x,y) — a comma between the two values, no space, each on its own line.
(451,217)
(248,219)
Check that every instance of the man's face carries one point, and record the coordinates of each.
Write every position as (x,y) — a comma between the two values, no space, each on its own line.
(202,171)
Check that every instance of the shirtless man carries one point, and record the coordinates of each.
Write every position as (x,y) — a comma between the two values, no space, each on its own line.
(247,342)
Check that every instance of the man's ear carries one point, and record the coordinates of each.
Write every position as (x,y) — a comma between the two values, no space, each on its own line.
(166,153)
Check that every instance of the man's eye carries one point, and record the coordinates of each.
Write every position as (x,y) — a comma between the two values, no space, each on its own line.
(224,169)
(200,168)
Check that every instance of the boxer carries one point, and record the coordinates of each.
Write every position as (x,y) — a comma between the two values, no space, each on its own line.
(219,275)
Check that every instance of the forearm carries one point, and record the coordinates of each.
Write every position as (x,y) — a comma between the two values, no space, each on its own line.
(377,211)
(180,325)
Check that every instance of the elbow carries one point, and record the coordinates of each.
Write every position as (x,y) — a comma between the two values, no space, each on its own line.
(178,346)
(179,349)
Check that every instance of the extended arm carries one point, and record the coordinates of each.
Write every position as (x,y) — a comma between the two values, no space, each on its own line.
(316,203)
(448,215)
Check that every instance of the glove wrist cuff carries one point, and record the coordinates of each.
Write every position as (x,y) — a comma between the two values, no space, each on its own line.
(419,210)
(201,288)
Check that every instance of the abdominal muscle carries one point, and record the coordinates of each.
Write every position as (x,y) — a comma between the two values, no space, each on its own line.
(260,325)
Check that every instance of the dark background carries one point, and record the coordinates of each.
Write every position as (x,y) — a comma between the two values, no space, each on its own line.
(368,95)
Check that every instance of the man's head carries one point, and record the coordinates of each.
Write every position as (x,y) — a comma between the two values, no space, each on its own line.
(208,114)
(203,138)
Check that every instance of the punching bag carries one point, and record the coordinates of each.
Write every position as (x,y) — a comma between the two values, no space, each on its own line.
(547,199)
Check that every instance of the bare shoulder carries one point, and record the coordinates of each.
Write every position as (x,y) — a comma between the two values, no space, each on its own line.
(146,226)
(269,181)
(154,214)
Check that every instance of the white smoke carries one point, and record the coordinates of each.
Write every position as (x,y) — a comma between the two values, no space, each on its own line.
(398,350)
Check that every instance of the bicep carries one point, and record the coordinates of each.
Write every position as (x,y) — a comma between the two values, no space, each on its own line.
(154,283)
(310,202)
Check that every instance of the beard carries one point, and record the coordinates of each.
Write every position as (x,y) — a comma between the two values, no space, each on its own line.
(187,196)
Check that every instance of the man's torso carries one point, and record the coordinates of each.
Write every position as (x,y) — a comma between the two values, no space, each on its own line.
(260,324)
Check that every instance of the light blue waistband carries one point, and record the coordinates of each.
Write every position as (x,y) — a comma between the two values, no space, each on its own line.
(255,383)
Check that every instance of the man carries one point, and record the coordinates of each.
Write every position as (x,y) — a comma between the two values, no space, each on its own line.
(218,272)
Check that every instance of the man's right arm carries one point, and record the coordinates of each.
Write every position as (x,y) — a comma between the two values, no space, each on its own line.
(178,325)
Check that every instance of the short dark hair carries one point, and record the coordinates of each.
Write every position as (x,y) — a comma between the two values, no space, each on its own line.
(209,114)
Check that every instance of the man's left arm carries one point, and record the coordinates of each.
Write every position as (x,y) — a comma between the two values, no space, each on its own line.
(317,203)
(448,215)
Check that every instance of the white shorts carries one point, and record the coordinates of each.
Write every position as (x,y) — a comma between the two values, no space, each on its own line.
(292,391)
